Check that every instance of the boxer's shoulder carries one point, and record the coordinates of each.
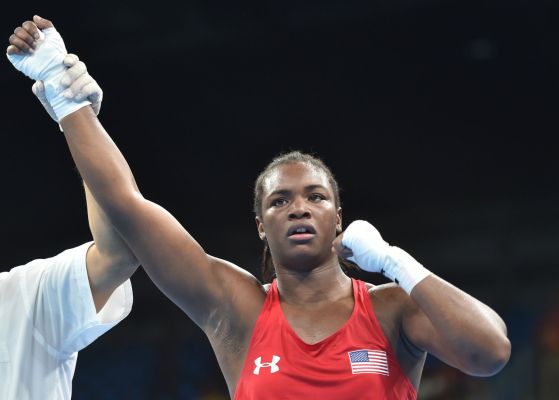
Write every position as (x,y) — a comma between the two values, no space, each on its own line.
(388,300)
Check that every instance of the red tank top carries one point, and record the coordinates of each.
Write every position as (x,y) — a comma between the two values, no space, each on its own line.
(356,362)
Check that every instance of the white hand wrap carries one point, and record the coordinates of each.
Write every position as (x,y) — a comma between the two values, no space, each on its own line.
(46,64)
(373,254)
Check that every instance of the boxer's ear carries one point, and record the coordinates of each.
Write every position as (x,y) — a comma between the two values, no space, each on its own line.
(339,221)
(260,228)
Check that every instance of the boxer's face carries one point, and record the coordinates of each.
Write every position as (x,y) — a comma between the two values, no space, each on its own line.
(299,216)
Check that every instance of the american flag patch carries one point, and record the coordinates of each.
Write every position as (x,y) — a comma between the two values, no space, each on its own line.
(368,362)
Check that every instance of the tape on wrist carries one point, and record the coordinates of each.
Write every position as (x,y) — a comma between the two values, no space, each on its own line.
(373,254)
(403,269)
(60,104)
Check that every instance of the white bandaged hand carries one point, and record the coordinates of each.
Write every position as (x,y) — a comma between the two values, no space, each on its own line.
(46,64)
(78,84)
(371,253)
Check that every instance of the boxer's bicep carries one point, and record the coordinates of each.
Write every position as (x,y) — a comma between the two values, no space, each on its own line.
(198,283)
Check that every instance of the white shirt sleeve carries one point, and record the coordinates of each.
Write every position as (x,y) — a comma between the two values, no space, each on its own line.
(60,302)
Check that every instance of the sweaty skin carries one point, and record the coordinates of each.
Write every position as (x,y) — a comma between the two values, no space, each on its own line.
(225,300)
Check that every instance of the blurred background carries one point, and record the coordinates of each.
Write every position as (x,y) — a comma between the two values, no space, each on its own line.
(437,118)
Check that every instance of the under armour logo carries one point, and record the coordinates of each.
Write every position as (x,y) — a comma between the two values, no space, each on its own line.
(273,365)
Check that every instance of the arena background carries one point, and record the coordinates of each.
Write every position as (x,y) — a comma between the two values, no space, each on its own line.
(438,119)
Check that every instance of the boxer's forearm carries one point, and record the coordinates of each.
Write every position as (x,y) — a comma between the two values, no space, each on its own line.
(468,332)
(441,319)
(100,162)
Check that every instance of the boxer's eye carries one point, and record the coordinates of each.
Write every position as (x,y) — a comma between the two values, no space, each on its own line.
(316,197)
(279,202)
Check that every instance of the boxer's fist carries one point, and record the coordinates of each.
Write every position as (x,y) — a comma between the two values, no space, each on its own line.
(37,49)
(367,247)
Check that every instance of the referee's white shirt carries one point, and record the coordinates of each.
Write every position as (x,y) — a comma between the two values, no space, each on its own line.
(47,315)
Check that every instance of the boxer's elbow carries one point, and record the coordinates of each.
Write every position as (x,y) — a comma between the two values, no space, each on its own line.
(491,360)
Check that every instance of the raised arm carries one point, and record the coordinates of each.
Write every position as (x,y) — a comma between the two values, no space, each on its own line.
(206,288)
(209,290)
